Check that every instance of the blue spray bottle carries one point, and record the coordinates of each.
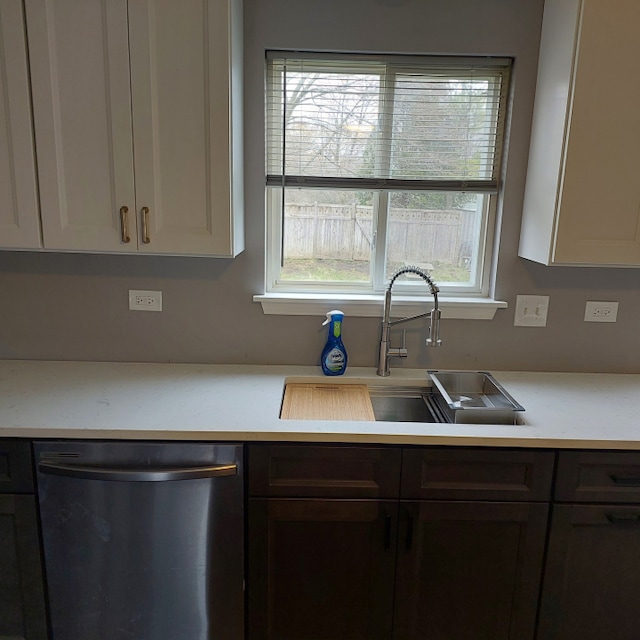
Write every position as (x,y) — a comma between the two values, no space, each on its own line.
(334,355)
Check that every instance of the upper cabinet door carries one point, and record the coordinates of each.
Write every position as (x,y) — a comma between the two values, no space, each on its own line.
(582,201)
(82,110)
(19,224)
(186,64)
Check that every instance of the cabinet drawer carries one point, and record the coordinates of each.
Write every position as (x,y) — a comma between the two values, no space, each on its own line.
(16,473)
(476,474)
(586,476)
(324,471)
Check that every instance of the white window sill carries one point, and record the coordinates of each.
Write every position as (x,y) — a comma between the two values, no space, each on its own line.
(370,306)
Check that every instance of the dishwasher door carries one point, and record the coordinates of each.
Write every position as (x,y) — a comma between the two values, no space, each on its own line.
(142,541)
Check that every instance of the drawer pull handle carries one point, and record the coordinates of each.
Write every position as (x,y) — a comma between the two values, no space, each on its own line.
(624,520)
(623,481)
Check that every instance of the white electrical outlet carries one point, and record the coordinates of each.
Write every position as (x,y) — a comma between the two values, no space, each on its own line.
(145,300)
(531,311)
(601,312)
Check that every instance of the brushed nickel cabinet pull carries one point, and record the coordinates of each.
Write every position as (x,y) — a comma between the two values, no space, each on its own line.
(145,225)
(124,224)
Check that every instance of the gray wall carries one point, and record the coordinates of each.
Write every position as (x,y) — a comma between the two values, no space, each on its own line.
(66,306)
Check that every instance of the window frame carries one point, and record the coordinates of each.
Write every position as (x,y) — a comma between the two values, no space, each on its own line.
(481,287)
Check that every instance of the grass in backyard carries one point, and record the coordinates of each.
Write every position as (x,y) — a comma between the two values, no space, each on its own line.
(329,270)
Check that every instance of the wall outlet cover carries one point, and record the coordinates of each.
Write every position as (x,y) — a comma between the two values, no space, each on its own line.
(145,300)
(601,311)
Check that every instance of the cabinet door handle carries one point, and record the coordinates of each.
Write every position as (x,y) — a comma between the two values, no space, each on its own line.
(145,225)
(124,224)
(623,481)
(408,541)
(387,532)
(624,520)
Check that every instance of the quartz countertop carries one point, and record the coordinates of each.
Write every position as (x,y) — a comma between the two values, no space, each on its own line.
(88,400)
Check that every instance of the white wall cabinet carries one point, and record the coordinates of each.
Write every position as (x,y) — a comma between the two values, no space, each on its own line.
(138,118)
(582,199)
(19,225)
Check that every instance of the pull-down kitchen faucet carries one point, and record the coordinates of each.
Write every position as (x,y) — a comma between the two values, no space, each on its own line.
(433,340)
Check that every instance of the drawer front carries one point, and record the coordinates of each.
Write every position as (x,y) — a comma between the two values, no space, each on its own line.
(477,474)
(16,471)
(324,471)
(587,476)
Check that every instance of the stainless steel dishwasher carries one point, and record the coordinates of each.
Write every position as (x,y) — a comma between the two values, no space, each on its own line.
(142,541)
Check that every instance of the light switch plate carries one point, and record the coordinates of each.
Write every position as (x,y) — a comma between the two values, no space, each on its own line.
(531,311)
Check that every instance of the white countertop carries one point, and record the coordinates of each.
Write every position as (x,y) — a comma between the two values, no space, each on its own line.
(242,402)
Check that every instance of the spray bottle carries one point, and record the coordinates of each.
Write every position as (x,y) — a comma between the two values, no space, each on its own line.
(334,356)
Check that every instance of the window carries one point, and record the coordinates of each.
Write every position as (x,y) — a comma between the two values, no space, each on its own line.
(374,163)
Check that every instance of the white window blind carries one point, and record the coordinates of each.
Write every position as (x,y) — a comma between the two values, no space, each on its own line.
(377,123)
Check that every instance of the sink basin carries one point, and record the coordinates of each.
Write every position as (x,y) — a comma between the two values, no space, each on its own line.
(471,397)
(404,404)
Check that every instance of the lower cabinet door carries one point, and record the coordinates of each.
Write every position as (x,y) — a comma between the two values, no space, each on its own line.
(321,569)
(592,578)
(22,608)
(469,570)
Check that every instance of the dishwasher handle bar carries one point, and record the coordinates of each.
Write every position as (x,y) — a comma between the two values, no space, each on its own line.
(123,474)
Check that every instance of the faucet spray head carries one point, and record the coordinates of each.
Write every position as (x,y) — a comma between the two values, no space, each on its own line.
(434,329)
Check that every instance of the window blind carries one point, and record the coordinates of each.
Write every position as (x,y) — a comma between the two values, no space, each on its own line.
(385,123)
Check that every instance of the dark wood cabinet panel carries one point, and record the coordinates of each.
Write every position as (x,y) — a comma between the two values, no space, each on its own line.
(321,569)
(597,476)
(16,473)
(592,579)
(461,565)
(22,612)
(324,471)
(469,570)
(476,474)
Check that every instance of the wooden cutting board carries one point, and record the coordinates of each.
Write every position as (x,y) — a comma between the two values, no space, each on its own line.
(326,402)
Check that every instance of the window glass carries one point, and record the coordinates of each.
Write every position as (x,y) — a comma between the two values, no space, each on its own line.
(376,163)
(328,236)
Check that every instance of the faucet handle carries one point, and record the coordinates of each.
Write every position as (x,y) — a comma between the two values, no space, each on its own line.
(402,351)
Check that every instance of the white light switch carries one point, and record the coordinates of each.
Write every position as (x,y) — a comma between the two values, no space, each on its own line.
(531,311)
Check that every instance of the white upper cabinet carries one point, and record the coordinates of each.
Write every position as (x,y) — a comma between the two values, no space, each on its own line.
(582,199)
(138,117)
(187,117)
(82,111)
(19,224)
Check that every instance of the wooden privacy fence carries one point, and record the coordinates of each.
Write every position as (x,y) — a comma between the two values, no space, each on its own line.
(345,232)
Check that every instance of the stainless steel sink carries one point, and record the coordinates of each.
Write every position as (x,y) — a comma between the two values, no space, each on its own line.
(404,404)
(472,397)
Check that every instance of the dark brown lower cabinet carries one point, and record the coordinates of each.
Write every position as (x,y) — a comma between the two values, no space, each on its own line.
(469,570)
(321,569)
(592,579)
(22,612)
(326,569)
(349,543)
